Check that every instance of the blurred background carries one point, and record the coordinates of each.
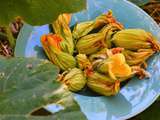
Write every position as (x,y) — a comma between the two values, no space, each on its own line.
(153,9)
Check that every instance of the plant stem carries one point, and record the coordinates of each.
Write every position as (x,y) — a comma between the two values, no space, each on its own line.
(11,39)
(3,35)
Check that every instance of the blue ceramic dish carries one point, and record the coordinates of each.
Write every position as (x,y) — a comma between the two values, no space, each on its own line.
(135,96)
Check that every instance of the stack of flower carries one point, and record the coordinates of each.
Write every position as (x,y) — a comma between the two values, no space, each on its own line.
(99,54)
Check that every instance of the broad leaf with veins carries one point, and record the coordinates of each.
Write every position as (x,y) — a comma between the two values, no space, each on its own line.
(27,84)
(37,12)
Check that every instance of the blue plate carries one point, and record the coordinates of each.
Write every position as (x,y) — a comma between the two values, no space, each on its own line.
(134,97)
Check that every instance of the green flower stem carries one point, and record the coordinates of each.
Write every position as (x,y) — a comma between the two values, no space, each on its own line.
(3,35)
(11,39)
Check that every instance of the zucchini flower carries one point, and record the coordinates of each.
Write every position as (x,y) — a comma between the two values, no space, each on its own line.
(52,48)
(74,79)
(134,39)
(109,31)
(84,28)
(61,28)
(139,57)
(115,66)
(102,84)
(105,53)
(65,18)
(107,19)
(91,43)
(83,62)
(140,72)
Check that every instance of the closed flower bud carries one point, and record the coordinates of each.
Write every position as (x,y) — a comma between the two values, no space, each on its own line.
(51,45)
(83,62)
(65,18)
(134,39)
(91,43)
(73,79)
(109,31)
(107,19)
(102,84)
(82,29)
(139,57)
(61,28)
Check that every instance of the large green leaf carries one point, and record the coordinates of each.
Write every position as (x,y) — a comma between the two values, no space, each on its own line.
(29,84)
(37,11)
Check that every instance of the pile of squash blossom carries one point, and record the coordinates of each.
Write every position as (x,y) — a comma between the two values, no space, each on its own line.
(99,54)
